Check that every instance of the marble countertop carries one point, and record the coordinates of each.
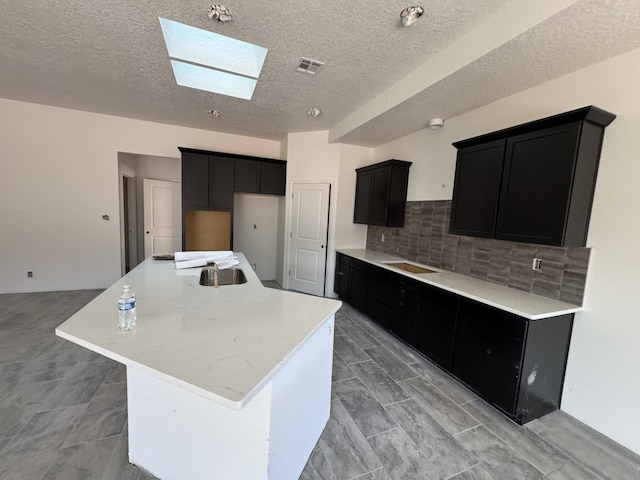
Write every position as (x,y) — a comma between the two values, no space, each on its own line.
(528,305)
(222,343)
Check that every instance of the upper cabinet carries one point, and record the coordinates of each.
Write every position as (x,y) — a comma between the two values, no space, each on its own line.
(207,181)
(210,179)
(272,177)
(195,180)
(247,176)
(264,176)
(381,193)
(531,183)
(476,189)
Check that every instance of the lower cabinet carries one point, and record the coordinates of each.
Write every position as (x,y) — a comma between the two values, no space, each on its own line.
(488,360)
(435,325)
(391,302)
(358,280)
(341,277)
(514,363)
(350,281)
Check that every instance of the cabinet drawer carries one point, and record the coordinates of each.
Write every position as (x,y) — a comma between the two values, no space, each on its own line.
(393,293)
(395,322)
(499,320)
(438,296)
(359,265)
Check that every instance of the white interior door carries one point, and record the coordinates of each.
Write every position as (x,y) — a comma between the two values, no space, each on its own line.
(308,246)
(161,216)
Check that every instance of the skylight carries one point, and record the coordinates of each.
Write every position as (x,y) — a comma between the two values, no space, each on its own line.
(209,61)
(194,76)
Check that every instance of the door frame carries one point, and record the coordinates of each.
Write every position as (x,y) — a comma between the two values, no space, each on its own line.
(330,249)
(128,218)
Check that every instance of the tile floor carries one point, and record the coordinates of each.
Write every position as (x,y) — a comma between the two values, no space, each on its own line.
(394,415)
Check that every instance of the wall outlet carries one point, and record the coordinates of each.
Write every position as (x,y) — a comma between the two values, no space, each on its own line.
(29,274)
(536,264)
(382,238)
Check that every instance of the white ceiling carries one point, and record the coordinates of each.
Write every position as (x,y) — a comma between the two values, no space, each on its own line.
(381,81)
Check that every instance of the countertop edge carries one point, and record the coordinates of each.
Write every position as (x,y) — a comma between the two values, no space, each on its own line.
(236,403)
(564,308)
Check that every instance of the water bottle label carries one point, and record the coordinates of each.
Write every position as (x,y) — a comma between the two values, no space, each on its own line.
(127,306)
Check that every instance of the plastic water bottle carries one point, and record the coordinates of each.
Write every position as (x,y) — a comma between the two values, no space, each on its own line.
(126,309)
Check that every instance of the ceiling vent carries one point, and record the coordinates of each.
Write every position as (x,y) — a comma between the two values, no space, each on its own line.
(309,66)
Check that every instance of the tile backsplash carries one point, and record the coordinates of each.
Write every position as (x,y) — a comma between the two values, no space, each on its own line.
(424,239)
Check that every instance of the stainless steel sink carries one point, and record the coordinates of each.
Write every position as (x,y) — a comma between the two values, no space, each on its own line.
(409,267)
(228,276)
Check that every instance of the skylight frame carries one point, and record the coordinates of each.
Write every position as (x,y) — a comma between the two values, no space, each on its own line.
(212,80)
(233,65)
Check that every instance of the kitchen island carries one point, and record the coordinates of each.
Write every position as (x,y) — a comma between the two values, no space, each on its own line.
(230,382)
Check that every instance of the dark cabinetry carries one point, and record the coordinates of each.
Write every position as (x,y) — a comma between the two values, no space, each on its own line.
(207,181)
(247,176)
(435,324)
(221,173)
(351,279)
(264,177)
(358,281)
(391,301)
(531,183)
(381,193)
(341,278)
(476,189)
(195,180)
(514,363)
(272,178)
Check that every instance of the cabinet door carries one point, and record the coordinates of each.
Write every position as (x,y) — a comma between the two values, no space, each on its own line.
(195,178)
(489,361)
(221,178)
(435,325)
(341,278)
(358,279)
(476,189)
(363,198)
(380,186)
(537,184)
(273,178)
(247,176)
(391,301)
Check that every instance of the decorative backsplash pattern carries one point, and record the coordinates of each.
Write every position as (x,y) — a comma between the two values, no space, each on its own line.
(424,240)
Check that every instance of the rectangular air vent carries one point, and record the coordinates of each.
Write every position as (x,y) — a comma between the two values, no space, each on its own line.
(309,66)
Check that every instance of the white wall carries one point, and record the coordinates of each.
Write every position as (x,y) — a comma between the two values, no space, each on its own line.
(602,384)
(258,244)
(60,175)
(349,234)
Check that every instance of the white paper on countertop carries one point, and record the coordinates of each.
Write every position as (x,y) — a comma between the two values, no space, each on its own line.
(182,256)
(221,262)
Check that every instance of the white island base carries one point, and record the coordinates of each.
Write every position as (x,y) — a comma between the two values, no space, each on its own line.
(177,434)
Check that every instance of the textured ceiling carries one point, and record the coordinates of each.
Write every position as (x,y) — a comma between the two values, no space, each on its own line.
(108,56)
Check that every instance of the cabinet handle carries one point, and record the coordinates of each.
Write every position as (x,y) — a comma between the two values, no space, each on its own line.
(341,273)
